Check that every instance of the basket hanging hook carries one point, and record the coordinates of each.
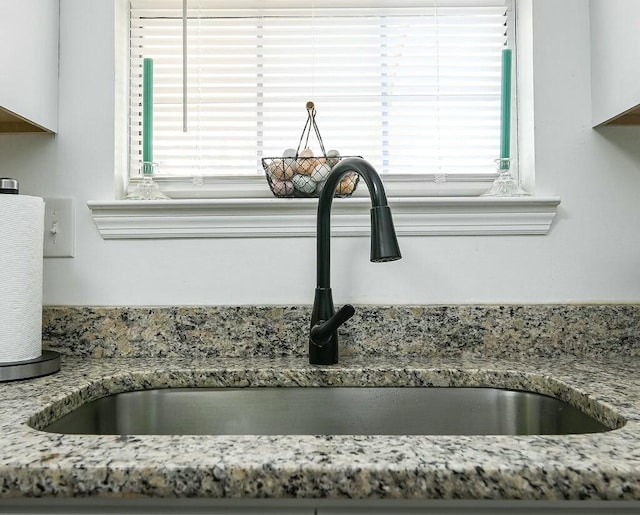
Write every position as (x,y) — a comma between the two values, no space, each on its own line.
(311,122)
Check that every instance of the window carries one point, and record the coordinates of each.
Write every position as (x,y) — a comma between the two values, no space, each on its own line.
(241,206)
(412,86)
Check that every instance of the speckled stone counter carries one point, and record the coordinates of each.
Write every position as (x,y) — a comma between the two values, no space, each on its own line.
(585,355)
(278,331)
(592,466)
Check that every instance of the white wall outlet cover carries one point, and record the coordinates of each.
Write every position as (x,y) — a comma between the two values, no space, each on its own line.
(59,227)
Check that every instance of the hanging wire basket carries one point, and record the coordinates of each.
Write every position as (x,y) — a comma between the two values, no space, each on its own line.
(301,174)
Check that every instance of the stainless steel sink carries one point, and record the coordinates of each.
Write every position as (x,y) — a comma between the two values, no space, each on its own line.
(326,410)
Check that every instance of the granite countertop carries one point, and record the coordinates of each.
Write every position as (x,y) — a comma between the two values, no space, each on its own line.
(590,466)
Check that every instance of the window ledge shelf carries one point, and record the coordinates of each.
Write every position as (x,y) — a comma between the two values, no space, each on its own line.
(278,218)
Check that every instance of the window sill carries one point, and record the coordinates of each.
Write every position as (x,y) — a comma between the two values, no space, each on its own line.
(277,218)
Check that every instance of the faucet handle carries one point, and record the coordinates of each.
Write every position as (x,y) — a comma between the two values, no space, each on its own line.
(323,331)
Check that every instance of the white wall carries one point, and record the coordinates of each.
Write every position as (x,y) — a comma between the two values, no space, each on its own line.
(592,253)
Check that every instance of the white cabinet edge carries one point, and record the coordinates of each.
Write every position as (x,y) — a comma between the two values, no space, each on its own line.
(29,51)
(276,218)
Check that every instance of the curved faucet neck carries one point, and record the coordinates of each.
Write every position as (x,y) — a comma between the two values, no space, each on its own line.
(376,193)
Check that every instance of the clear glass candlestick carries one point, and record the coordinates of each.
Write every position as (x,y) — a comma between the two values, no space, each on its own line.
(505,185)
(147,189)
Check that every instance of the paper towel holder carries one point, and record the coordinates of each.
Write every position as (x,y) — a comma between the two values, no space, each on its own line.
(48,363)
(8,185)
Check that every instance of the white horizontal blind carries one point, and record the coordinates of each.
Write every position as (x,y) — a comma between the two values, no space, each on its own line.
(414,87)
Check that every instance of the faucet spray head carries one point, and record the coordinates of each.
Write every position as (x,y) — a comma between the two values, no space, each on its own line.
(384,244)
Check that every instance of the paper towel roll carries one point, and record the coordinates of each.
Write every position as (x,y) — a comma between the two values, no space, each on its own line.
(21,236)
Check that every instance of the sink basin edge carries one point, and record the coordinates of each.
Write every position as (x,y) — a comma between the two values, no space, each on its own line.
(311,377)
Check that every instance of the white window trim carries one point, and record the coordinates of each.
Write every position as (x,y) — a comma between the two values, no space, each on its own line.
(277,218)
(244,206)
